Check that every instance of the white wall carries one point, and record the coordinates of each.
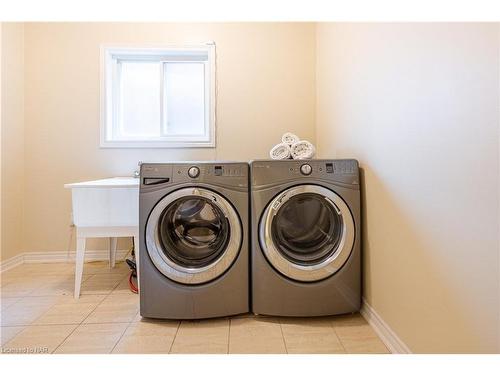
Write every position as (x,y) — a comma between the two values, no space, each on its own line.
(12,139)
(418,105)
(0,141)
(265,87)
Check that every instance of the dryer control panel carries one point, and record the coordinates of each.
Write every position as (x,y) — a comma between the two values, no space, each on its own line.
(345,171)
(322,167)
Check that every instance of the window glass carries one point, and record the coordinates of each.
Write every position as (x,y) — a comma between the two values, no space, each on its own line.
(184,98)
(139,111)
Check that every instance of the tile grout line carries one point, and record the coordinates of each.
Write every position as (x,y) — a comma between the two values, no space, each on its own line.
(36,325)
(121,336)
(112,290)
(37,316)
(282,335)
(66,338)
(64,324)
(96,306)
(17,334)
(71,275)
(175,336)
(332,325)
(58,283)
(376,336)
(113,321)
(31,324)
(102,294)
(15,303)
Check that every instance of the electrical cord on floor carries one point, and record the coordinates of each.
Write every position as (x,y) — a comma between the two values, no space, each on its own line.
(133,271)
(131,284)
(133,275)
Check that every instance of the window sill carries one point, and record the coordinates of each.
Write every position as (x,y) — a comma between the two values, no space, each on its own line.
(156,144)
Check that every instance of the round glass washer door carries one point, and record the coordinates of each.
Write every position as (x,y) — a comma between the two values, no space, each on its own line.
(307,233)
(193,235)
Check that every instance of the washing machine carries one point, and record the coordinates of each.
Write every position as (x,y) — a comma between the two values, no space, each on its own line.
(306,253)
(193,253)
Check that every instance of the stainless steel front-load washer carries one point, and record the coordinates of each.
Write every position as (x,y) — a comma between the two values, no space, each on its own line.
(305,237)
(193,252)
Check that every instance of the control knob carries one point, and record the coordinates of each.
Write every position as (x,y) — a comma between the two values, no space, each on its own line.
(193,172)
(305,169)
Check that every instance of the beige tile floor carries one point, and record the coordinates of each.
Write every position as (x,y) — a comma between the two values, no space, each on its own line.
(39,315)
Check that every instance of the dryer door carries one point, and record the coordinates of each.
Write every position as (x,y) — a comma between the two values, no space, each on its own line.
(193,235)
(307,233)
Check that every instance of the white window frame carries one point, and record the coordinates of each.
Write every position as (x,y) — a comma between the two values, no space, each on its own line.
(108,113)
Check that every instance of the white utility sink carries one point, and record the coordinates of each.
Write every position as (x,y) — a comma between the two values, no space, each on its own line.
(104,208)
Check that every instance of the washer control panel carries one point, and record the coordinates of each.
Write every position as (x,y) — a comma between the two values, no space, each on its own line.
(228,170)
(202,171)
(158,175)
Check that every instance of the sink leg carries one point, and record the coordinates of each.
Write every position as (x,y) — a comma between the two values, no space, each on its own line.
(112,251)
(80,257)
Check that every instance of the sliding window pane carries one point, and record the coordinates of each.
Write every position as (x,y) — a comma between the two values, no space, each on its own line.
(184,98)
(140,99)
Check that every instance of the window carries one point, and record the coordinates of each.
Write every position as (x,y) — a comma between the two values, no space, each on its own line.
(158,97)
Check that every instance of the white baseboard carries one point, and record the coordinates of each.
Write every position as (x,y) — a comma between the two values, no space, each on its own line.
(10,263)
(57,257)
(386,334)
(64,256)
